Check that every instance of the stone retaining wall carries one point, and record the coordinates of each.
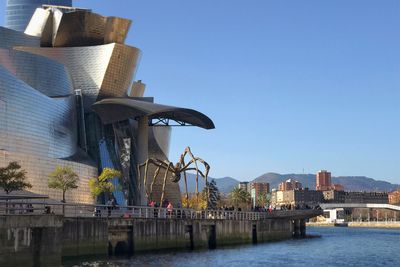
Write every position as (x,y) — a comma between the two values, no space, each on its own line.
(47,240)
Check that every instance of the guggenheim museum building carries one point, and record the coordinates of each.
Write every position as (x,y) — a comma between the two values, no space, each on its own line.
(68,97)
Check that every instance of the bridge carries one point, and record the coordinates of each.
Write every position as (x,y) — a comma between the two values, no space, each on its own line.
(335,208)
(329,206)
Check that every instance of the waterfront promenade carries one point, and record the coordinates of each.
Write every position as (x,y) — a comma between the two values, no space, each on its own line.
(42,236)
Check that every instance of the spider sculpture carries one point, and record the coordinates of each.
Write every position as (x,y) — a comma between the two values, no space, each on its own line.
(176,172)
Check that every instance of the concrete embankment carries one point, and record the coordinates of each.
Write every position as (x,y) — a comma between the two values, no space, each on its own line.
(375,224)
(47,240)
(360,224)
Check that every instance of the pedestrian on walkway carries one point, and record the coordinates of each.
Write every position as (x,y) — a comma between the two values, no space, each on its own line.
(170,208)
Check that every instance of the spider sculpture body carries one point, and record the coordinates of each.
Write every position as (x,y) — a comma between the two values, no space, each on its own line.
(175,172)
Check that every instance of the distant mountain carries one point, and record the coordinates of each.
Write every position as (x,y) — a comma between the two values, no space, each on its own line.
(224,184)
(362,183)
(350,183)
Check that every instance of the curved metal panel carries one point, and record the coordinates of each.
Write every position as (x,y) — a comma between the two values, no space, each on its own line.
(41,26)
(159,140)
(80,28)
(118,109)
(116,30)
(38,22)
(43,74)
(10,38)
(33,123)
(19,12)
(76,27)
(84,28)
(120,72)
(99,71)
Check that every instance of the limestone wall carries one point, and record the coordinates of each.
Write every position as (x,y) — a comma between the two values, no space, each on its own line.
(39,168)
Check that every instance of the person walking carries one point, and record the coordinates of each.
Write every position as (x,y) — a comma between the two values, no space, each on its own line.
(109,206)
(170,209)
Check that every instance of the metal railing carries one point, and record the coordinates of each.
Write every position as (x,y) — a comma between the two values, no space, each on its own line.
(104,211)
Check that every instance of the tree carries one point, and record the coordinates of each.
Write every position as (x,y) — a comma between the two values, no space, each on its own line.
(103,184)
(63,178)
(213,195)
(263,199)
(194,202)
(239,196)
(395,197)
(12,178)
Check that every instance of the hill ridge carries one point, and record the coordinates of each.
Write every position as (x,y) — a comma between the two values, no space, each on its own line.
(350,183)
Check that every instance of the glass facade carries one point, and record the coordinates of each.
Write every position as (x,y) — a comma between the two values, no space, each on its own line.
(19,12)
(107,162)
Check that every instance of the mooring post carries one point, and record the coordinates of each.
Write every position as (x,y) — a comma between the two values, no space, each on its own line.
(302,228)
(296,228)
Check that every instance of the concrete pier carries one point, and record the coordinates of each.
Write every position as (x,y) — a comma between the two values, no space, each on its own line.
(47,240)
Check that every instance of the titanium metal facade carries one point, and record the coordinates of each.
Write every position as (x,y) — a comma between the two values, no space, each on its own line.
(19,12)
(51,78)
(159,139)
(44,75)
(10,38)
(99,71)
(33,122)
(38,116)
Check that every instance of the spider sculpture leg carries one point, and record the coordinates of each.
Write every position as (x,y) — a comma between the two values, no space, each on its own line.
(165,182)
(204,176)
(156,162)
(182,163)
(154,180)
(186,190)
(146,167)
(189,152)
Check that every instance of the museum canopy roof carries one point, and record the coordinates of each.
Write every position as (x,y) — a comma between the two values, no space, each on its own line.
(118,109)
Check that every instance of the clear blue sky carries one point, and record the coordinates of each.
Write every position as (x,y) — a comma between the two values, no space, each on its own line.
(290,85)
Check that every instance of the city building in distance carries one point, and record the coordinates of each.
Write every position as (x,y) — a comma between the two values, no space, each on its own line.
(257,191)
(334,196)
(68,97)
(394,197)
(245,186)
(323,181)
(299,198)
(366,197)
(289,184)
(337,187)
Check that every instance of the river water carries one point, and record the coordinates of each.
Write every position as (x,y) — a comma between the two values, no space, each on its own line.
(336,246)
